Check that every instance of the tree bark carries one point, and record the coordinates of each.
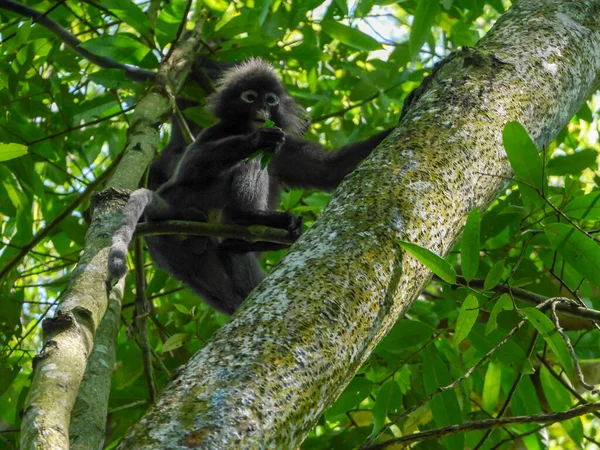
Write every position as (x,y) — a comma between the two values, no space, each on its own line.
(266,377)
(69,336)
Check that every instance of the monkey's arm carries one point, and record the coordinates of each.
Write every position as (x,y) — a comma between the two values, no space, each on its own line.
(206,157)
(307,164)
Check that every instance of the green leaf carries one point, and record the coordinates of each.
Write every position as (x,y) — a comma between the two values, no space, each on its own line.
(577,249)
(11,151)
(444,407)
(352,37)
(491,386)
(421,26)
(524,159)
(584,207)
(574,163)
(559,400)
(174,342)
(358,389)
(264,155)
(469,248)
(130,13)
(504,303)
(585,113)
(406,333)
(467,317)
(548,331)
(119,47)
(389,399)
(111,79)
(182,308)
(433,262)
(494,275)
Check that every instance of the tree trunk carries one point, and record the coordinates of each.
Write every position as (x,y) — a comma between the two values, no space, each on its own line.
(265,378)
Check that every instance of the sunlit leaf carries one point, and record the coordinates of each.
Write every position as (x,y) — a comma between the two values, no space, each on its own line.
(547,330)
(467,317)
(437,265)
(349,36)
(11,151)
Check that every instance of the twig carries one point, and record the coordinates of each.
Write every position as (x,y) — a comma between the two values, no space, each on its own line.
(593,389)
(253,233)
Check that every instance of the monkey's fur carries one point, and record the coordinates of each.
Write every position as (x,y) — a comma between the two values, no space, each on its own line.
(214,174)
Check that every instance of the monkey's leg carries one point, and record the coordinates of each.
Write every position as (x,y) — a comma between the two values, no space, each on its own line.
(275,219)
(221,278)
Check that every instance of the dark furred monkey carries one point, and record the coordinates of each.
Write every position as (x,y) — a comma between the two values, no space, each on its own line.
(214,174)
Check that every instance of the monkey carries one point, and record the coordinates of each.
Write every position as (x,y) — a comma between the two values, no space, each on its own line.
(215,176)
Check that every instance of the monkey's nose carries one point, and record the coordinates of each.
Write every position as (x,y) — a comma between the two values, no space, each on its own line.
(262,114)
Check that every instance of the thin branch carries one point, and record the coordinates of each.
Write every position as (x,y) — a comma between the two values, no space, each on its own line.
(253,233)
(134,73)
(593,389)
(143,308)
(567,308)
(79,127)
(437,433)
(566,385)
(510,394)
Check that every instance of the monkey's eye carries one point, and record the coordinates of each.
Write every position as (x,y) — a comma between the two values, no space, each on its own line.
(249,96)
(272,98)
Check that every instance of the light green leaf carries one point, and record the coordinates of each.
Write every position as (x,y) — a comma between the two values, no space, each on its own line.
(119,47)
(494,275)
(577,249)
(584,207)
(11,151)
(421,26)
(548,331)
(181,308)
(504,303)
(491,386)
(469,249)
(352,37)
(433,262)
(174,342)
(467,317)
(130,13)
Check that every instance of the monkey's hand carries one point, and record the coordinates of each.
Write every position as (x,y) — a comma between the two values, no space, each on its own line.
(266,139)
(295,226)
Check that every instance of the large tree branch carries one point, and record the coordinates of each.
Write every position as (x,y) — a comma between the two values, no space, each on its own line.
(267,376)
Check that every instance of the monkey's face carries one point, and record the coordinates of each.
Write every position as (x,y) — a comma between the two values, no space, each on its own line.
(260,106)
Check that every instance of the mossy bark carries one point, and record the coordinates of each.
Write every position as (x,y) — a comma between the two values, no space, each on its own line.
(267,376)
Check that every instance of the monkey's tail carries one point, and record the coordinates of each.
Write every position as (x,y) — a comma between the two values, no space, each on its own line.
(117,256)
